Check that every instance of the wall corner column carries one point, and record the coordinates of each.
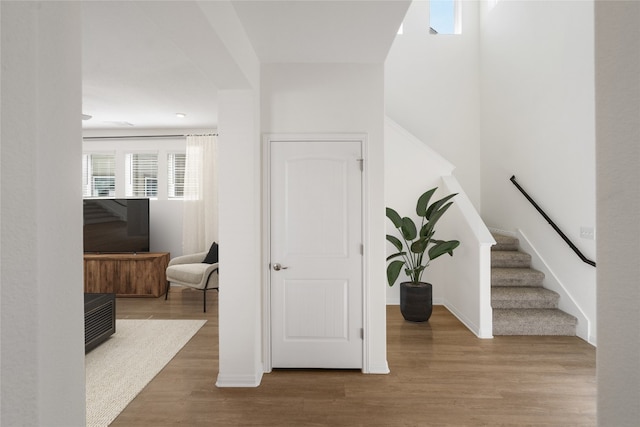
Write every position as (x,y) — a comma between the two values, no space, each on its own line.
(617,55)
(239,309)
(41,291)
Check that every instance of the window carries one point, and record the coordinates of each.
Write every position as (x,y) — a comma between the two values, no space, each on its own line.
(444,17)
(141,175)
(175,174)
(150,187)
(98,175)
(133,170)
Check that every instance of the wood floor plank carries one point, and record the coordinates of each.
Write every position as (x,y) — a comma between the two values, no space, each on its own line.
(441,375)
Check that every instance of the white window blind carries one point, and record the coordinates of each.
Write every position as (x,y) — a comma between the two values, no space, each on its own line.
(175,175)
(98,175)
(141,175)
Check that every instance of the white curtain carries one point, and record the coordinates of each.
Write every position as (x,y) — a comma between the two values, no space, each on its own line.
(200,222)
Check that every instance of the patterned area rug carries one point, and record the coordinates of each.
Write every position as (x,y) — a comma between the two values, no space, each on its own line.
(118,369)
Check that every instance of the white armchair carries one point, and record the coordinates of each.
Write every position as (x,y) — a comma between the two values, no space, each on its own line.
(189,270)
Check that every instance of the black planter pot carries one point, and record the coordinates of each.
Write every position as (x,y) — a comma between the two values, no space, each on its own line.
(416,301)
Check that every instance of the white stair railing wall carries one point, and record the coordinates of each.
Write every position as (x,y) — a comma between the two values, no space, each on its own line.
(461,283)
(468,273)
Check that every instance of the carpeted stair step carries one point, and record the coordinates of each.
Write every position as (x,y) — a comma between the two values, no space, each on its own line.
(510,259)
(516,277)
(521,305)
(529,321)
(523,297)
(504,243)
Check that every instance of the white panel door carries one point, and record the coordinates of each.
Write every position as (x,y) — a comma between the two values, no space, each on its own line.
(316,260)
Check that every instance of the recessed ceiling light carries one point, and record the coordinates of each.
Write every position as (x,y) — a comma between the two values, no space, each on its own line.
(181,115)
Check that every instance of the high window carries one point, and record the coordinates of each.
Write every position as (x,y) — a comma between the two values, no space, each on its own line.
(98,175)
(444,17)
(141,175)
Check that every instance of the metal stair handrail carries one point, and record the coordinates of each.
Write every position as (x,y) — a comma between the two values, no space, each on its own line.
(552,224)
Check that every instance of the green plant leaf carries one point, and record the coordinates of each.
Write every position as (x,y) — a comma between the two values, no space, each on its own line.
(390,257)
(414,260)
(408,228)
(442,248)
(436,205)
(396,242)
(436,215)
(419,246)
(394,217)
(423,202)
(393,271)
(426,231)
(415,273)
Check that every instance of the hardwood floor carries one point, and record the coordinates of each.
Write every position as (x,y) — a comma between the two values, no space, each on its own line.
(441,375)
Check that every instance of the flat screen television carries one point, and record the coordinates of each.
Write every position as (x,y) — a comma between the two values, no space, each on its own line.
(116,225)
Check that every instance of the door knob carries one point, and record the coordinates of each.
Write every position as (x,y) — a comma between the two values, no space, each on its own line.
(278,267)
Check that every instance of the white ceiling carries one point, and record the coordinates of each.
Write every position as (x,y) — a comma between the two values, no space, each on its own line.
(321,31)
(137,75)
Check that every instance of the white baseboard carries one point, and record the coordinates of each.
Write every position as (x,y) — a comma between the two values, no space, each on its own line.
(440,301)
(551,281)
(239,380)
(379,370)
(468,323)
(396,301)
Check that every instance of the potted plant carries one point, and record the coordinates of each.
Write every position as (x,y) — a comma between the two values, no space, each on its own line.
(417,247)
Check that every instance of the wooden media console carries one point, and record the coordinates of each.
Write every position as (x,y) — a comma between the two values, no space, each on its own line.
(141,274)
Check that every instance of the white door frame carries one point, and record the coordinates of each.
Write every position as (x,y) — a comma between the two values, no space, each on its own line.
(266,235)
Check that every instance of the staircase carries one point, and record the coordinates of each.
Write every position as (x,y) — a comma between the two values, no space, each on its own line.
(521,306)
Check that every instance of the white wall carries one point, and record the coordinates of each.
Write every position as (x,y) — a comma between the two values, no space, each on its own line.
(411,168)
(165,226)
(41,303)
(537,74)
(340,98)
(432,90)
(467,275)
(618,182)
